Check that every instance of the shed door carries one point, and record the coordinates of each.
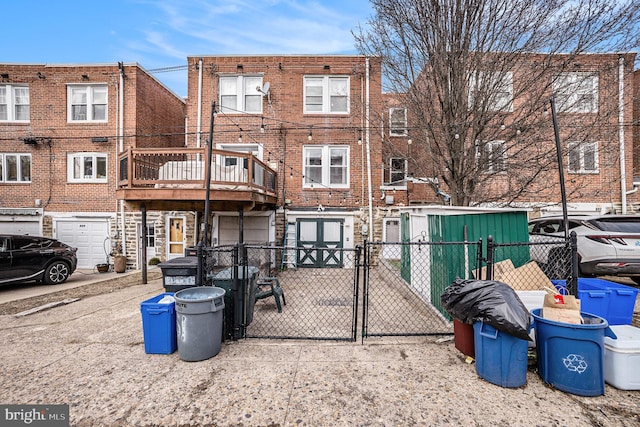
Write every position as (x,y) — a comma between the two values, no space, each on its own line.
(323,240)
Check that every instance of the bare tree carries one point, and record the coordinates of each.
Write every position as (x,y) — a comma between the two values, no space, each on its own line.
(476,77)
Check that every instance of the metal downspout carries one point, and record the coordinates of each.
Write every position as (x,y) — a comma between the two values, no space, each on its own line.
(367,138)
(623,169)
(123,236)
(199,118)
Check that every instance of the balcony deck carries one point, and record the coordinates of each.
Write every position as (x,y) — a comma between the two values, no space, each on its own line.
(175,179)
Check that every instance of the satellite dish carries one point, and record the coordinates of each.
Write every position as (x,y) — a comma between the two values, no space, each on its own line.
(264,89)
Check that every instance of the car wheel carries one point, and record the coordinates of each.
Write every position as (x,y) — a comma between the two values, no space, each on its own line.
(56,273)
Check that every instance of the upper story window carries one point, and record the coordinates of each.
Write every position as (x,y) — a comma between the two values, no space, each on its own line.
(87,167)
(583,157)
(240,94)
(576,92)
(326,94)
(87,103)
(326,166)
(397,169)
(398,121)
(15,167)
(491,156)
(493,90)
(14,103)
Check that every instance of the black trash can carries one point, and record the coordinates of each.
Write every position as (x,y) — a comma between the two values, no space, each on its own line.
(239,301)
(179,273)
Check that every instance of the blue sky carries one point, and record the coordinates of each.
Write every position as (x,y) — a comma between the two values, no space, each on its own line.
(162,33)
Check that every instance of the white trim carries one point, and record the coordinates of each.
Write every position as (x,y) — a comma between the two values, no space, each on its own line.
(90,94)
(325,85)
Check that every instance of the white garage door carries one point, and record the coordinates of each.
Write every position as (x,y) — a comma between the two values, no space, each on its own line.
(256,230)
(15,226)
(90,237)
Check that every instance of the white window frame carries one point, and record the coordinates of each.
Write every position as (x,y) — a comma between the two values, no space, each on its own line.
(396,127)
(325,166)
(396,170)
(325,82)
(490,148)
(92,100)
(498,86)
(576,92)
(581,149)
(20,174)
(85,177)
(244,86)
(10,100)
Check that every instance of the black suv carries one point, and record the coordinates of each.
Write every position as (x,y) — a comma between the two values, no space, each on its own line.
(32,258)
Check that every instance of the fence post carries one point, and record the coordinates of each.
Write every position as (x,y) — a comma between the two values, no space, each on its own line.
(365,292)
(356,293)
(199,265)
(236,294)
(573,280)
(490,252)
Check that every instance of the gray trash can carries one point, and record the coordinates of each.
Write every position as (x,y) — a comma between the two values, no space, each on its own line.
(199,322)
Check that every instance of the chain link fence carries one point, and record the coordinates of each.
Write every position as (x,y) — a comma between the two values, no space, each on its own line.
(403,284)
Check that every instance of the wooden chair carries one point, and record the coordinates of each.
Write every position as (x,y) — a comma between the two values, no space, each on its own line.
(270,287)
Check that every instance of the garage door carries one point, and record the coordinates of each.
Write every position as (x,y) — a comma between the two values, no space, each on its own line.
(255,230)
(90,237)
(15,226)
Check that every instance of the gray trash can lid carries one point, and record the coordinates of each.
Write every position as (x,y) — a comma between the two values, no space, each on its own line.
(199,293)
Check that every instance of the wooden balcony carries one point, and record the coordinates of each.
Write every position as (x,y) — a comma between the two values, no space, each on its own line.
(175,179)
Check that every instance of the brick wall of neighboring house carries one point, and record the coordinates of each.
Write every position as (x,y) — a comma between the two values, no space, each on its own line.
(149,109)
(603,187)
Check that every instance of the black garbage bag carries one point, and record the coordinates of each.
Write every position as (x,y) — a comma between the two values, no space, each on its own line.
(491,302)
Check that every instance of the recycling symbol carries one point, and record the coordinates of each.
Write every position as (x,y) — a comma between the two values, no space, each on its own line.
(575,363)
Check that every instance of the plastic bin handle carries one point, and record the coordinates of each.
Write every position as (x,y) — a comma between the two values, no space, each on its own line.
(488,335)
(625,292)
(156,310)
(596,294)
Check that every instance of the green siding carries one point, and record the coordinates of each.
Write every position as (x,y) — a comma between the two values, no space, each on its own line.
(447,262)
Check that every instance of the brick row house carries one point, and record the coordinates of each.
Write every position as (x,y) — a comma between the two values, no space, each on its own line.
(594,96)
(293,155)
(62,129)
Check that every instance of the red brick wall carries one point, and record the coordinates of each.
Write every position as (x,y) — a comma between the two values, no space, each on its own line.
(287,127)
(58,138)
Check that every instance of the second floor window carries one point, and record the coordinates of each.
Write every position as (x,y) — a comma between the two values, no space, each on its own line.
(397,169)
(576,92)
(87,167)
(15,167)
(583,157)
(240,94)
(491,156)
(397,121)
(326,166)
(87,103)
(326,94)
(14,103)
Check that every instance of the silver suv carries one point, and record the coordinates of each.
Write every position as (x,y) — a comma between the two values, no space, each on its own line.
(607,244)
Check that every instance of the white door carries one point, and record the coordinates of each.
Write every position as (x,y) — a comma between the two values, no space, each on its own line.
(255,230)
(90,237)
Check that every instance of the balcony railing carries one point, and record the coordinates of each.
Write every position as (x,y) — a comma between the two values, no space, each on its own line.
(186,168)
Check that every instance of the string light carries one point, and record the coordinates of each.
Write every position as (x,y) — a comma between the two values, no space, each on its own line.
(261,124)
(310,137)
